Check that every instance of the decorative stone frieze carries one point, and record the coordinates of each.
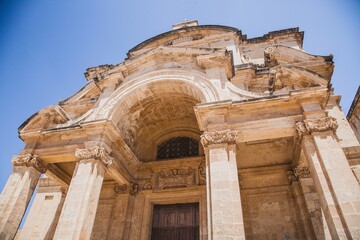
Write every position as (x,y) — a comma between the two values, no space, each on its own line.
(315,125)
(174,178)
(29,160)
(226,136)
(132,188)
(96,152)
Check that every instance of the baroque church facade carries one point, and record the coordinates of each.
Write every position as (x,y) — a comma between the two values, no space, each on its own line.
(200,133)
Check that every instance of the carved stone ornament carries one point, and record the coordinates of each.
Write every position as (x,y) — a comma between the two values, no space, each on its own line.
(321,124)
(175,178)
(202,175)
(29,160)
(132,188)
(226,136)
(291,176)
(96,152)
(302,172)
(315,125)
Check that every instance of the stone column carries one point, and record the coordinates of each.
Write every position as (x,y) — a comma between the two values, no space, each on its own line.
(78,214)
(45,211)
(225,216)
(336,185)
(313,205)
(17,192)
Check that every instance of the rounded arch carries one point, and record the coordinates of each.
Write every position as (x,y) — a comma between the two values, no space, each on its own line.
(156,103)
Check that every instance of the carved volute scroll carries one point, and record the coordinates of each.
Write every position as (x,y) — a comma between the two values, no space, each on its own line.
(309,126)
(96,152)
(226,136)
(29,160)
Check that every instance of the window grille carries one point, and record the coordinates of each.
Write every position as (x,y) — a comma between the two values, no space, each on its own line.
(177,148)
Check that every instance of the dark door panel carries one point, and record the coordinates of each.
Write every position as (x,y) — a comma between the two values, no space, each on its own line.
(176,222)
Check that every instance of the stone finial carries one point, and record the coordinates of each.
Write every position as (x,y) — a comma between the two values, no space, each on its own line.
(226,136)
(315,125)
(29,160)
(96,152)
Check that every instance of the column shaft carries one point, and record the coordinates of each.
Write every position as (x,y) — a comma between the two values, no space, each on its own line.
(224,202)
(338,190)
(78,214)
(45,211)
(15,198)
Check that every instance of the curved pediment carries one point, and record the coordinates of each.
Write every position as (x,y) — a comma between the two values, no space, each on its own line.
(188,34)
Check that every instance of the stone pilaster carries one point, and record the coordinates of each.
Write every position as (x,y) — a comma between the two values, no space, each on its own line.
(337,188)
(17,192)
(78,214)
(225,217)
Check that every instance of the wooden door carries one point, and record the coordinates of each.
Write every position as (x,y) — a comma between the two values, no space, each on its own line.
(176,222)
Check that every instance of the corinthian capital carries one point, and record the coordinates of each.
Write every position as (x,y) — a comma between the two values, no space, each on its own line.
(96,152)
(226,136)
(315,125)
(29,160)
(321,124)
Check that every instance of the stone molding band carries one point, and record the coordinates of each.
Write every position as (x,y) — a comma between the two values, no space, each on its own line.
(218,137)
(309,126)
(29,160)
(96,152)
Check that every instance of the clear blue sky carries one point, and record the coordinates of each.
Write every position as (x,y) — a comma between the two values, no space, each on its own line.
(46,45)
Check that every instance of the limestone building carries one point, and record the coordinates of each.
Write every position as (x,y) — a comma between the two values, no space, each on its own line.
(201,133)
(354,114)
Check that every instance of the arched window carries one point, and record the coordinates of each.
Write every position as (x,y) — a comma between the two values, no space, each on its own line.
(177,148)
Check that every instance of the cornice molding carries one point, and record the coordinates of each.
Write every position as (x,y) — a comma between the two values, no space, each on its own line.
(218,137)
(96,152)
(29,160)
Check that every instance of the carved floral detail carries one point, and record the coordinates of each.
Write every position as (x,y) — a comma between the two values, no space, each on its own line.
(226,136)
(29,160)
(175,178)
(321,124)
(96,152)
(315,125)
(202,175)
(302,172)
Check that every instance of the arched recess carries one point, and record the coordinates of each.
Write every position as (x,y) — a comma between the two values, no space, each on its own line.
(158,106)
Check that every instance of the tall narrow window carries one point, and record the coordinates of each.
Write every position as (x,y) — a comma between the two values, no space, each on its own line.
(177,148)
